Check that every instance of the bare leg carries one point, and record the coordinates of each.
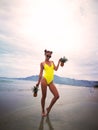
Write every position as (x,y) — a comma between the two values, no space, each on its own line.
(56,96)
(44,92)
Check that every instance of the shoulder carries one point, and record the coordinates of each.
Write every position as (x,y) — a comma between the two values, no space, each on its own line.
(42,64)
(52,62)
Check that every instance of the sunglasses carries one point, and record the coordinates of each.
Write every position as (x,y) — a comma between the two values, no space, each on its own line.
(48,56)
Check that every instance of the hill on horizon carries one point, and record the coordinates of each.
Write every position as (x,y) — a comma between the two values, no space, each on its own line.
(65,81)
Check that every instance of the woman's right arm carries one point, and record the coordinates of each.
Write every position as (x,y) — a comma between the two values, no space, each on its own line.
(40,74)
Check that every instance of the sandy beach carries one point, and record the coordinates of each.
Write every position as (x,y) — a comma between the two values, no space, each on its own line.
(76,109)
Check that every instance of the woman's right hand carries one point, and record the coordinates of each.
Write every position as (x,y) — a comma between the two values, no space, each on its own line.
(37,84)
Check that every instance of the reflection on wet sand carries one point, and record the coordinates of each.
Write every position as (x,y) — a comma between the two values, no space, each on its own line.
(41,126)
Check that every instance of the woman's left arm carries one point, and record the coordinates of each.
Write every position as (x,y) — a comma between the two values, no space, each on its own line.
(56,67)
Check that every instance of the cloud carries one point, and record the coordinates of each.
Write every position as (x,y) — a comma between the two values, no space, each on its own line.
(69,28)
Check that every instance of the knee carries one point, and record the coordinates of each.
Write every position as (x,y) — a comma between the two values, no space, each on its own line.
(57,97)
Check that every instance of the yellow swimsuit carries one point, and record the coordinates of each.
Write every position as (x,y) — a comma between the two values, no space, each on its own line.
(48,72)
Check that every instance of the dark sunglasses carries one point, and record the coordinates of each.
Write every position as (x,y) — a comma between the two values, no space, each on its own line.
(48,56)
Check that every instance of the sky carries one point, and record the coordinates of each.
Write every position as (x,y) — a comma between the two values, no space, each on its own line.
(66,27)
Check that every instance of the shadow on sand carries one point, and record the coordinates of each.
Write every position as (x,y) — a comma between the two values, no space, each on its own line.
(42,123)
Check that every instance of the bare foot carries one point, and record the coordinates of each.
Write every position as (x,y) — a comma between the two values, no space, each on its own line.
(43,114)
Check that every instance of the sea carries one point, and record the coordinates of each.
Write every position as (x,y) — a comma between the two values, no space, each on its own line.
(19,109)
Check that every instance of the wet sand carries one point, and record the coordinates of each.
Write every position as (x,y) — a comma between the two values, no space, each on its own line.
(76,109)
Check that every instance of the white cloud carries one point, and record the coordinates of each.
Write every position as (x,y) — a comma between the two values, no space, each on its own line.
(65,27)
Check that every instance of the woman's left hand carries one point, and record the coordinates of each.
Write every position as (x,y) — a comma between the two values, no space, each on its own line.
(59,60)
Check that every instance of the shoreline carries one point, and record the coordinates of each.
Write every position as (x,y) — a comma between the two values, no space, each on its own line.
(77,109)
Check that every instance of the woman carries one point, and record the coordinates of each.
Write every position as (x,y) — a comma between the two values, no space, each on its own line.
(46,79)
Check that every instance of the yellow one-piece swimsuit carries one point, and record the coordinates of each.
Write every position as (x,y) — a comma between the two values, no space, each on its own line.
(48,72)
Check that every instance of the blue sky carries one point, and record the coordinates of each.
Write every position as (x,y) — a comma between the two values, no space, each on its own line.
(67,27)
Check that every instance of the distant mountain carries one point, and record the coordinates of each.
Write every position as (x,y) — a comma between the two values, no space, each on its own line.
(74,82)
(33,78)
(65,81)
